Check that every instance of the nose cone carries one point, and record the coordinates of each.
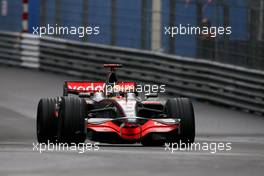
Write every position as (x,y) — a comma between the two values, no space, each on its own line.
(130,131)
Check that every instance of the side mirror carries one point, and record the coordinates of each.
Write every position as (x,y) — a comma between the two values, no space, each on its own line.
(151,95)
(85,94)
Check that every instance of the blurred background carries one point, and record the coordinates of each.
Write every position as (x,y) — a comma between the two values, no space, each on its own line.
(133,23)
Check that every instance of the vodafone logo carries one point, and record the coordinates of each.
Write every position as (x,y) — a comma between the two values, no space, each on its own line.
(100,86)
(86,86)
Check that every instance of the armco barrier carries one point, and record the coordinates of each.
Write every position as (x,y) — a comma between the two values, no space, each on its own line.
(221,83)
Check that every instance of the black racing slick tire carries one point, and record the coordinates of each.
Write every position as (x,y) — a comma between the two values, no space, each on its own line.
(71,128)
(47,121)
(182,108)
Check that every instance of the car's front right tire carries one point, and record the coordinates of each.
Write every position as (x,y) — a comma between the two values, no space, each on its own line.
(71,128)
(47,122)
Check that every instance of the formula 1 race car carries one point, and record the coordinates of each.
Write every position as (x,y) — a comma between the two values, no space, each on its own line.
(113,112)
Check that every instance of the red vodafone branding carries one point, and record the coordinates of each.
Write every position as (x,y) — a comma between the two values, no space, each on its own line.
(86,86)
(98,86)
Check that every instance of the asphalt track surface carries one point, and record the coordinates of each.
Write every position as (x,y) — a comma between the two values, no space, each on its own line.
(21,89)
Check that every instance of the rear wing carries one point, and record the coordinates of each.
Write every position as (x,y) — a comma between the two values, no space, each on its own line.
(113,67)
(76,87)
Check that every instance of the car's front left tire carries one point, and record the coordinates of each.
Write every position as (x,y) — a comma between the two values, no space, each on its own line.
(182,108)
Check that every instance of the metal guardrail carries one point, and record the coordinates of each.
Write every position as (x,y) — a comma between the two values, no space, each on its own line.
(220,83)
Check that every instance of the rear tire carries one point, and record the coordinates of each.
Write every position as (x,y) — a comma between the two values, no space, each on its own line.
(71,121)
(47,122)
(182,108)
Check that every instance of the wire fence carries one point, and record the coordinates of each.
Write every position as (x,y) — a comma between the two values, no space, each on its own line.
(131,24)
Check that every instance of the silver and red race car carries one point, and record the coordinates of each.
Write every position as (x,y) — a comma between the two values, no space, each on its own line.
(113,112)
